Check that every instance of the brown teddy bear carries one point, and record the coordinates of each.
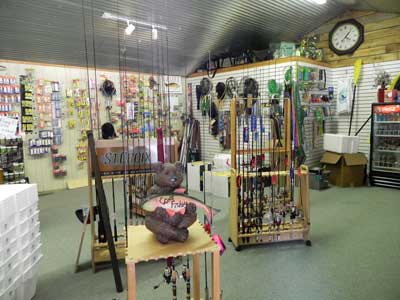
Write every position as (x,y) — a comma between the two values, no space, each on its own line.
(168,178)
(163,224)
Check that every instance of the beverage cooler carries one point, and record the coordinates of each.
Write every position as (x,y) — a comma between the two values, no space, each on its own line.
(385,145)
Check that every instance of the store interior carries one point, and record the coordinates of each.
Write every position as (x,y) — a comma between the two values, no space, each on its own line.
(199,150)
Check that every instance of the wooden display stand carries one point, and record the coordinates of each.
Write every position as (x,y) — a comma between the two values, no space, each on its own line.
(286,232)
(143,246)
(107,151)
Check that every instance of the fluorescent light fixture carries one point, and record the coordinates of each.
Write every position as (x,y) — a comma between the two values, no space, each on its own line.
(154,34)
(109,16)
(319,2)
(129,29)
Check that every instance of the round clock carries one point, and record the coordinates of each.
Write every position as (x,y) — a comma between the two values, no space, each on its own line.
(346,37)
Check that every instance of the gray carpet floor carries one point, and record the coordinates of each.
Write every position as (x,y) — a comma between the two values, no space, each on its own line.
(355,253)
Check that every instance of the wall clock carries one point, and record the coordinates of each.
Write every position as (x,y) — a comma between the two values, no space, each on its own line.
(346,37)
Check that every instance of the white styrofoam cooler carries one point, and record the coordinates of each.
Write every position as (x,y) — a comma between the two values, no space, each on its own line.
(340,143)
(221,184)
(208,181)
(195,172)
(222,162)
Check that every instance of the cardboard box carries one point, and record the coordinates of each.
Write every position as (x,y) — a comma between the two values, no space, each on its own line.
(340,143)
(346,169)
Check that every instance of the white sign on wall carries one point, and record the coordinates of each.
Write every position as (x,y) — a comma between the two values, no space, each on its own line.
(8,127)
(172,84)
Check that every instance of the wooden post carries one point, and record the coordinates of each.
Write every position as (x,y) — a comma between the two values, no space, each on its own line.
(104,212)
(288,140)
(216,273)
(196,277)
(131,281)
(233,209)
(91,213)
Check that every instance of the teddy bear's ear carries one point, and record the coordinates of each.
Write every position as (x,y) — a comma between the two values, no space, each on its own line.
(179,166)
(157,167)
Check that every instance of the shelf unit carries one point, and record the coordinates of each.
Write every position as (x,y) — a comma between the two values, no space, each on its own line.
(12,161)
(240,232)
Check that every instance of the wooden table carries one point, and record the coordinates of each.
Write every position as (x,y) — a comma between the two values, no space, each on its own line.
(143,246)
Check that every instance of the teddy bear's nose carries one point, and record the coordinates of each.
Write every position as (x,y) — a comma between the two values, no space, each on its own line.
(173,179)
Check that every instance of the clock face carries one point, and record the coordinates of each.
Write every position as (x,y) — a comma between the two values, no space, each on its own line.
(346,37)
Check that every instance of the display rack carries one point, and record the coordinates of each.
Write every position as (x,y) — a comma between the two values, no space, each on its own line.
(12,160)
(138,177)
(263,176)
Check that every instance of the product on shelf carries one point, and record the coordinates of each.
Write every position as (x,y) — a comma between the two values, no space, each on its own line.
(27,84)
(42,144)
(12,161)
(385,145)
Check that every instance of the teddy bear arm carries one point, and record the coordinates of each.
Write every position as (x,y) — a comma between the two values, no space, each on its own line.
(187,220)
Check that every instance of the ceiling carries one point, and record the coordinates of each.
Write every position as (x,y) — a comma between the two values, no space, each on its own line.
(53,31)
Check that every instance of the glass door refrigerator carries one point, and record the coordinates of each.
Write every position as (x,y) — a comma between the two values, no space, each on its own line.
(385,145)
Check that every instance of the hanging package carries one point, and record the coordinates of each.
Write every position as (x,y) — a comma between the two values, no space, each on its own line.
(231,87)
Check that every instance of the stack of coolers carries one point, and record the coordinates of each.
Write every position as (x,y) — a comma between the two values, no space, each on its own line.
(20,247)
(346,166)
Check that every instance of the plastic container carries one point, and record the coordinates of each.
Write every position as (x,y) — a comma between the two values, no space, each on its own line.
(11,292)
(6,267)
(27,289)
(8,210)
(28,223)
(10,250)
(11,276)
(28,211)
(6,238)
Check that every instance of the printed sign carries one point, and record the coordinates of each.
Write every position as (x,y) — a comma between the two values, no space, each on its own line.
(114,159)
(8,127)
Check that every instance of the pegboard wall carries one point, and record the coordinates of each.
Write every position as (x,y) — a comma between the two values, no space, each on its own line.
(39,168)
(262,74)
(366,94)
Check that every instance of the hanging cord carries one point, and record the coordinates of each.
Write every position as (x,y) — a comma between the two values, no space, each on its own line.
(169,104)
(125,190)
(86,55)
(95,74)
(209,67)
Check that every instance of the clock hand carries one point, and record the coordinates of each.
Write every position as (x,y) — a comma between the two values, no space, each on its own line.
(346,36)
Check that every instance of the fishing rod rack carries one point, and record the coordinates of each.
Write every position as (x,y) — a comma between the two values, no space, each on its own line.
(264,175)
(137,178)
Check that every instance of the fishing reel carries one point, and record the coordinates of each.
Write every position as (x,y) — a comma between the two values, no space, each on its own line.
(167,276)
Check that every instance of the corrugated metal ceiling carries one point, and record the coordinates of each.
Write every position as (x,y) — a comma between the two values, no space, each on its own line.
(52,31)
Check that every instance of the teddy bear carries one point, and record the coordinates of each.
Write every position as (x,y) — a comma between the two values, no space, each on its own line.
(168,178)
(165,225)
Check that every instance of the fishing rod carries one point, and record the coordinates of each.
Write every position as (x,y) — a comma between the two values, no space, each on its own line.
(207,297)
(186,277)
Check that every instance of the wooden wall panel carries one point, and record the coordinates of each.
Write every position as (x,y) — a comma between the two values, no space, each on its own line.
(381,38)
